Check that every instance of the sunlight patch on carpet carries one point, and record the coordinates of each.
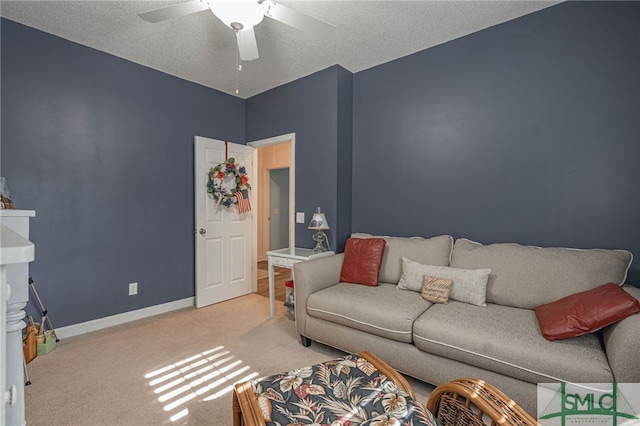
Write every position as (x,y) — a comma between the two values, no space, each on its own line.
(204,376)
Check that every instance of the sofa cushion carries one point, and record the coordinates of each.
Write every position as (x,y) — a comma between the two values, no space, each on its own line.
(469,285)
(436,289)
(507,340)
(362,260)
(585,312)
(428,251)
(383,310)
(525,276)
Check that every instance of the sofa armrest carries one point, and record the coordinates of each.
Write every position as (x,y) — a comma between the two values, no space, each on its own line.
(312,276)
(622,344)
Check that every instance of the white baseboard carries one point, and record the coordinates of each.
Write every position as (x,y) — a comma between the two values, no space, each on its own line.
(98,324)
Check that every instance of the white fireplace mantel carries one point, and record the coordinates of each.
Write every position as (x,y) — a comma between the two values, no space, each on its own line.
(16,251)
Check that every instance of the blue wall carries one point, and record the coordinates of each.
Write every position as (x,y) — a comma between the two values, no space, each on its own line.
(318,109)
(525,132)
(102,149)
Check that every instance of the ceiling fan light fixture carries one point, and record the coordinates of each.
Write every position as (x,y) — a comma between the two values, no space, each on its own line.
(246,13)
(242,16)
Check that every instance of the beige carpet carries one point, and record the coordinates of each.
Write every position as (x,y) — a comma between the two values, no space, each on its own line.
(174,368)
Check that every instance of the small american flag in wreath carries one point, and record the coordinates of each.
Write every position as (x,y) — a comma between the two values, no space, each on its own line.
(244,205)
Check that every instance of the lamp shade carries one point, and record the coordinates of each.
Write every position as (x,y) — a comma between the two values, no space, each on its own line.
(319,221)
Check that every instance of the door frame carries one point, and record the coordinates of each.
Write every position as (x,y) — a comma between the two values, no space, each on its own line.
(289,137)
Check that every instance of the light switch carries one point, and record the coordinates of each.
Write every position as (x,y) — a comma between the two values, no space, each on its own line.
(299,217)
(276,211)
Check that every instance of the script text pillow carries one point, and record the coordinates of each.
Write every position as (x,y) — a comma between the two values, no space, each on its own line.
(362,260)
(469,285)
(585,312)
(435,289)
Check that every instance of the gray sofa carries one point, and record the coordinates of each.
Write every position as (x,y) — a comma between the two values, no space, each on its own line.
(498,341)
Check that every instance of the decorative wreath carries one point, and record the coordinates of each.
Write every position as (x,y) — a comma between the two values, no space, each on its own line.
(217,176)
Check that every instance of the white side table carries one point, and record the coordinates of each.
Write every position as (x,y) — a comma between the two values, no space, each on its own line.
(286,258)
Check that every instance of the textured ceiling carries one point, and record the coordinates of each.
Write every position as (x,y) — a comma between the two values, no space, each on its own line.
(199,48)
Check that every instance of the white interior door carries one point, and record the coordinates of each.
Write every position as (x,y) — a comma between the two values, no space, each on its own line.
(224,238)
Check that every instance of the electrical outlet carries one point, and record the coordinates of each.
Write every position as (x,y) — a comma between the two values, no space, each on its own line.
(299,217)
(133,289)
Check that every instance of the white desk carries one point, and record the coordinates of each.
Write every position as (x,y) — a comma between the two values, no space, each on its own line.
(286,258)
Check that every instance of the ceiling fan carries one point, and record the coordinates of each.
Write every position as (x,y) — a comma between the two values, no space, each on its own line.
(242,16)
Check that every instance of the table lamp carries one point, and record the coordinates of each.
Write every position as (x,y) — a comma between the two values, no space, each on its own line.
(320,224)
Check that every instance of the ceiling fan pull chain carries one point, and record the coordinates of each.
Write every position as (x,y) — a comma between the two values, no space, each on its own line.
(238,66)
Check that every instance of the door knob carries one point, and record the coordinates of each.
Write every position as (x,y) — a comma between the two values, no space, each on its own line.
(202,231)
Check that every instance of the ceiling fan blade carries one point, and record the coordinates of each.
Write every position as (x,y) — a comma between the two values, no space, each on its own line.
(174,11)
(299,20)
(247,44)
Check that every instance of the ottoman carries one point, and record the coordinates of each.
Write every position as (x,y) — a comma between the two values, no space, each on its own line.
(357,389)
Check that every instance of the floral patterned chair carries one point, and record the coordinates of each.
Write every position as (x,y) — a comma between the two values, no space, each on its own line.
(362,389)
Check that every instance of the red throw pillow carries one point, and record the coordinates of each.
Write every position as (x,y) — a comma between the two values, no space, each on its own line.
(362,261)
(585,312)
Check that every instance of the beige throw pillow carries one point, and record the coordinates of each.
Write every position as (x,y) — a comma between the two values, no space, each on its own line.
(435,289)
(470,284)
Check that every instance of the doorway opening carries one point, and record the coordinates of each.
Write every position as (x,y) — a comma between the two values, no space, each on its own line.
(278,208)
(275,227)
